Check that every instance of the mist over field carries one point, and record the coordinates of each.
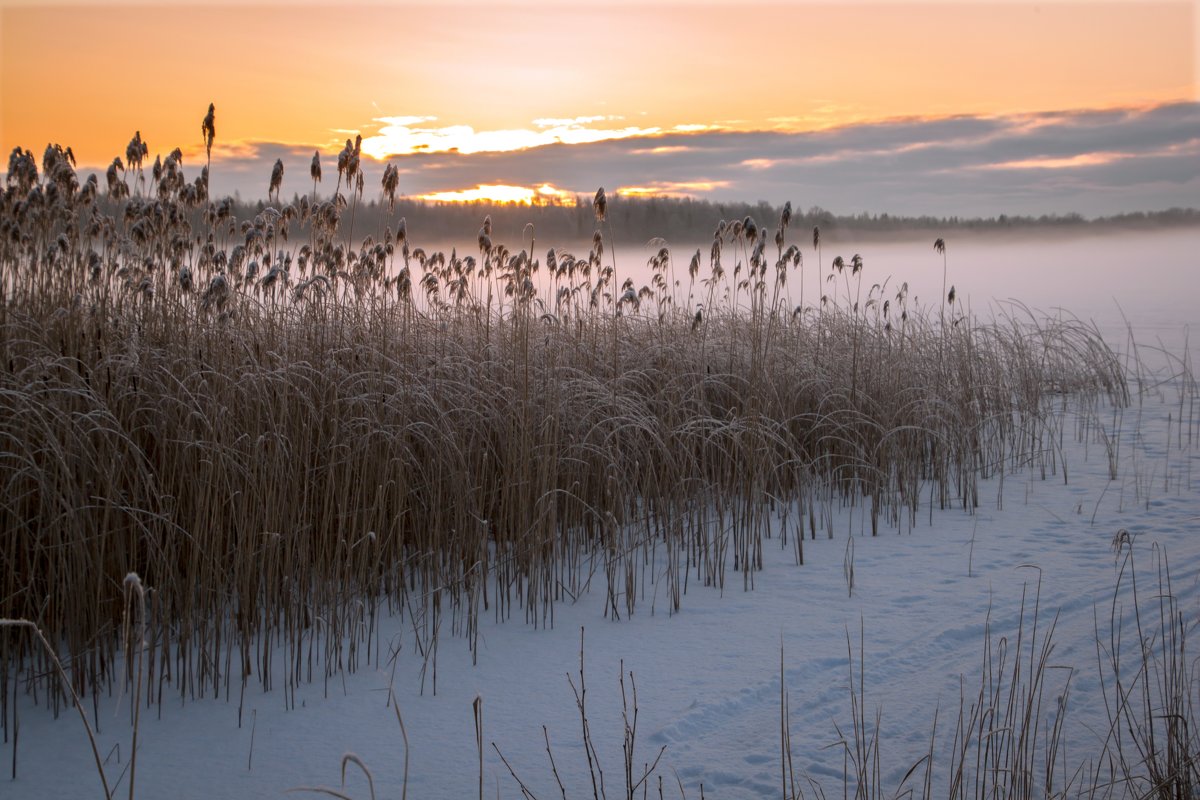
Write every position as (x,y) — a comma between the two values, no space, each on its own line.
(1110,276)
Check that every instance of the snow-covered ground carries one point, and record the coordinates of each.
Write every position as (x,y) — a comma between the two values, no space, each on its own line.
(708,677)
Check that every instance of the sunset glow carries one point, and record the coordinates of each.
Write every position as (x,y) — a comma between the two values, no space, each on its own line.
(500,193)
(453,92)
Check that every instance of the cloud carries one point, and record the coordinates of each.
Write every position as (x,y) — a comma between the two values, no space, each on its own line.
(672,188)
(661,150)
(552,122)
(399,136)
(1093,162)
(697,128)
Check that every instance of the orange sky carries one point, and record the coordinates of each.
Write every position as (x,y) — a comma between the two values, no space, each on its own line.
(88,76)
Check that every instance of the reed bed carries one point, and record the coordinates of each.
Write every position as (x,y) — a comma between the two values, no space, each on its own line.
(285,436)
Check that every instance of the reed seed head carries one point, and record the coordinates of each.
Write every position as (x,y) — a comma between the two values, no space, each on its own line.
(208,129)
(276,178)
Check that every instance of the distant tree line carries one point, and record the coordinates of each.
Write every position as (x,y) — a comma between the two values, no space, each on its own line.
(639,219)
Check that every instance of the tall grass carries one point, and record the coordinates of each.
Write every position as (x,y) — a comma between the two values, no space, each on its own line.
(285,436)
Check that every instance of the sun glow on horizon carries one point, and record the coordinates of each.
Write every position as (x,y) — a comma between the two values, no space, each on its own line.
(546,194)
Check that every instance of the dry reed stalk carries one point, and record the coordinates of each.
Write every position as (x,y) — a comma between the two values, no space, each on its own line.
(48,649)
(236,446)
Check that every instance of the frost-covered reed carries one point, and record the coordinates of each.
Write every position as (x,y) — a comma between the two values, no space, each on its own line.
(285,436)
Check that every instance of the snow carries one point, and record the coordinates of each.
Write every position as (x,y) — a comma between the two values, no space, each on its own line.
(708,677)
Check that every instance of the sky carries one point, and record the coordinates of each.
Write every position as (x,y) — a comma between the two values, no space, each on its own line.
(947,108)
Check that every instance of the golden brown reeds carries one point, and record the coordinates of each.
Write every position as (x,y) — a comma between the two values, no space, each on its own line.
(282,467)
